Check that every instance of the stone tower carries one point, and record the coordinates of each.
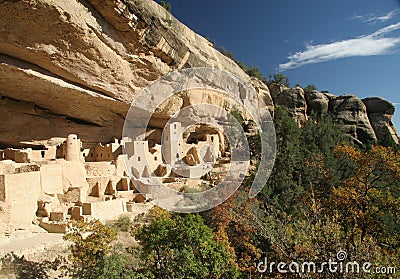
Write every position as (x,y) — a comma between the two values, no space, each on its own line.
(73,148)
(171,135)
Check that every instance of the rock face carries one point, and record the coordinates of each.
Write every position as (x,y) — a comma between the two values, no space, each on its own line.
(351,111)
(380,114)
(367,121)
(75,66)
(293,99)
(264,93)
(317,103)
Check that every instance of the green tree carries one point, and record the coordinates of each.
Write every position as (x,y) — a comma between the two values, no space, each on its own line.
(183,247)
(242,65)
(310,88)
(322,137)
(368,200)
(254,71)
(123,223)
(230,55)
(92,255)
(284,187)
(279,79)
(166,6)
(227,53)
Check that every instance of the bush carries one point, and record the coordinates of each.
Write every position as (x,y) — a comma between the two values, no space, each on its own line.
(123,223)
(254,71)
(230,55)
(310,88)
(279,79)
(182,246)
(166,6)
(90,247)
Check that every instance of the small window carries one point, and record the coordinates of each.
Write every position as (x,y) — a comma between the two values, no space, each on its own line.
(91,154)
(138,158)
(42,153)
(101,155)
(174,126)
(212,138)
(155,158)
(177,155)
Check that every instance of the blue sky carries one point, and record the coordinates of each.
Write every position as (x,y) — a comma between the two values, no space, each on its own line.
(343,46)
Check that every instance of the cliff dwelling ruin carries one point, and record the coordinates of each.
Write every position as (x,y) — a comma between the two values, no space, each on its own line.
(68,179)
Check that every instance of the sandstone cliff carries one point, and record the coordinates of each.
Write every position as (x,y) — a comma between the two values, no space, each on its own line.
(367,121)
(75,66)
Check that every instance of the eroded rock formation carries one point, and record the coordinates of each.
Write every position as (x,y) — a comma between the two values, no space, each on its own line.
(291,98)
(352,113)
(367,121)
(380,114)
(317,103)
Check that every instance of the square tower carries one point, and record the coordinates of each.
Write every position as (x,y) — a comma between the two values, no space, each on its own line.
(171,135)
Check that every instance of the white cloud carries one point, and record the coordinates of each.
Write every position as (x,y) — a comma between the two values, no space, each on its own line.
(373,18)
(367,45)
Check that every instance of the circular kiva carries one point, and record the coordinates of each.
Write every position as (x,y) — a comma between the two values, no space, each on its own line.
(147,104)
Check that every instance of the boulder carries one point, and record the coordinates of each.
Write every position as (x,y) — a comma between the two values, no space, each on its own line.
(352,113)
(378,105)
(380,113)
(317,103)
(293,99)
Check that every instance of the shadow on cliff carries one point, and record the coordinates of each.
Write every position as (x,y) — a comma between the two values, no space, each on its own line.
(13,266)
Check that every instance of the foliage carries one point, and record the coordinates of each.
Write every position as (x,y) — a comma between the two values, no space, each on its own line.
(254,71)
(116,264)
(230,222)
(279,79)
(238,116)
(242,65)
(283,187)
(370,194)
(227,53)
(230,55)
(166,6)
(325,195)
(90,249)
(299,219)
(123,223)
(183,247)
(310,88)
